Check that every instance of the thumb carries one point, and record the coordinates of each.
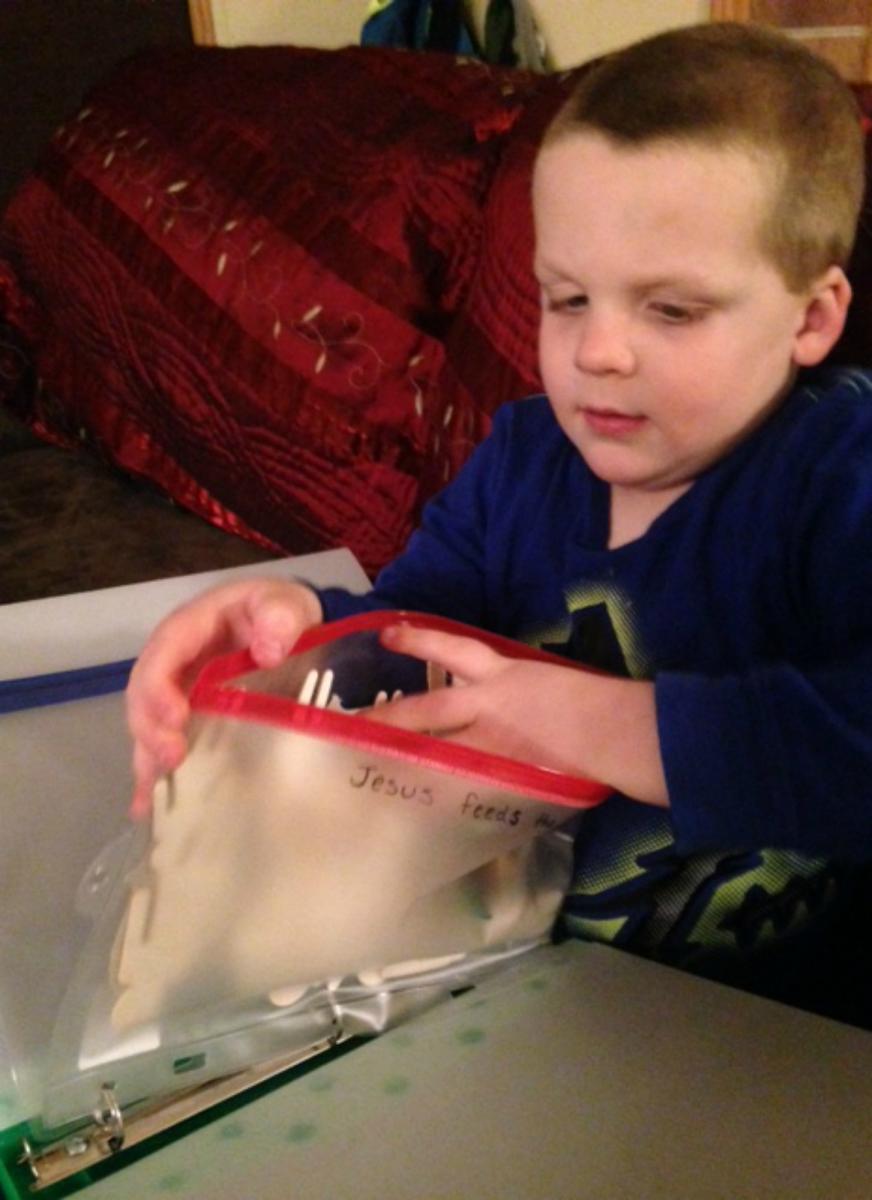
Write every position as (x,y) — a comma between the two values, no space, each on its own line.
(275,618)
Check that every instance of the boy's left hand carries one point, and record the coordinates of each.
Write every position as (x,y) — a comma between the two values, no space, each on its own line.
(563,718)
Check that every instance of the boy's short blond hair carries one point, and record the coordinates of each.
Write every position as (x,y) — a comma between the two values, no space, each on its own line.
(746,87)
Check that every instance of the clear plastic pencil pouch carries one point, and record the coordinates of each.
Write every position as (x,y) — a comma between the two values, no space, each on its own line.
(307,868)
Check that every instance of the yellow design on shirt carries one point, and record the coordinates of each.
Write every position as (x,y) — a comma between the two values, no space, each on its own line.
(782,902)
(595,929)
(622,616)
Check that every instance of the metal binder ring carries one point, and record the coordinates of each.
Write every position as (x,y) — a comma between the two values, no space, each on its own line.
(109,1117)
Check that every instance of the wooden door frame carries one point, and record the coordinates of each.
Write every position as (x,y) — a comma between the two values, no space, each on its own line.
(730,10)
(202,22)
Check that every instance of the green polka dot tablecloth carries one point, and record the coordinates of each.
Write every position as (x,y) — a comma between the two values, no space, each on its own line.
(583,1073)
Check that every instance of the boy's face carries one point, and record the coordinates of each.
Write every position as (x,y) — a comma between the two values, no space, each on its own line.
(666,334)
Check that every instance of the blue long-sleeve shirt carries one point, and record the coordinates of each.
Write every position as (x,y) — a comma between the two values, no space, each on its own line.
(748,602)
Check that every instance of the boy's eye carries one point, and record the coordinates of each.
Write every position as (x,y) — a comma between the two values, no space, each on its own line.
(676,314)
(566,304)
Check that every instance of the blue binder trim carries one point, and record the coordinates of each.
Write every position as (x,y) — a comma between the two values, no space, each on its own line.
(84,683)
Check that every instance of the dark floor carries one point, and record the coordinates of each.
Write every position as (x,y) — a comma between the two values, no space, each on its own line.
(68,523)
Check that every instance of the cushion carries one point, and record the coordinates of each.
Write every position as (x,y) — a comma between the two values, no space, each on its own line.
(233,272)
(493,339)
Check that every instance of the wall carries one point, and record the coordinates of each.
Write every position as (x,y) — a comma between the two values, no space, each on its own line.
(326,23)
(574,29)
(52,50)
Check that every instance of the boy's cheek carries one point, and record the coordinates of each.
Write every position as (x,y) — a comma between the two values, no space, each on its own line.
(554,380)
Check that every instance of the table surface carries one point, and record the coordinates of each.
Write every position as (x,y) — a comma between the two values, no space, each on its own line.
(61,633)
(582,1073)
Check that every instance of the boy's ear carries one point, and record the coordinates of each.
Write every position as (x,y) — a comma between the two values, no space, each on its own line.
(824,316)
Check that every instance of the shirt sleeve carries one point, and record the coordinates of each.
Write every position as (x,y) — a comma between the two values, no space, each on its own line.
(781,755)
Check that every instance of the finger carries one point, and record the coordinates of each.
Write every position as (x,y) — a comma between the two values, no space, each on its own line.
(154,756)
(464,657)
(166,748)
(440,712)
(145,776)
(275,616)
(175,654)
(211,624)
(156,701)
(273,630)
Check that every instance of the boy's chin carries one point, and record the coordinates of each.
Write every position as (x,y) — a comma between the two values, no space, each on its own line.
(639,480)
(614,470)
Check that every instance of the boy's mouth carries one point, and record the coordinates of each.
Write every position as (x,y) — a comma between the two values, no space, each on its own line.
(609,423)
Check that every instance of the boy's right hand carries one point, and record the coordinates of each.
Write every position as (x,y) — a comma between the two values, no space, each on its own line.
(265,616)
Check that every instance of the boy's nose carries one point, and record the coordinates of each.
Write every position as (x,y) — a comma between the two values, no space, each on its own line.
(603,345)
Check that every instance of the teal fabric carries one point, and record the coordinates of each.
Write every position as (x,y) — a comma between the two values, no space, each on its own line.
(420,25)
(441,25)
(499,33)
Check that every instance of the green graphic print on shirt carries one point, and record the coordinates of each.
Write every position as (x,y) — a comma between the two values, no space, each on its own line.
(630,886)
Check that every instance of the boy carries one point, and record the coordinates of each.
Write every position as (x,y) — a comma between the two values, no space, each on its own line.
(690,510)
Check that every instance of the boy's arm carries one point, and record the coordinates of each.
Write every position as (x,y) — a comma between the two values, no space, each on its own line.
(780,753)
(770,758)
(774,757)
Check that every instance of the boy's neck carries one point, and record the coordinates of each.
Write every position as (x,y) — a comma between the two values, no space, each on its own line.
(632,511)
